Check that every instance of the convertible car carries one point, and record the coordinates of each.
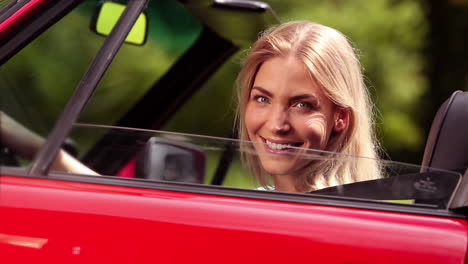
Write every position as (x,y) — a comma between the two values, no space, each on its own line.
(123,86)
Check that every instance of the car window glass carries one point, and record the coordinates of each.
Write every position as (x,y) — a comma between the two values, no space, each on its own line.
(187,158)
(196,116)
(37,82)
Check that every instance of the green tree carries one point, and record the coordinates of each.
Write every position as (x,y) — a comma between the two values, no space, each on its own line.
(389,37)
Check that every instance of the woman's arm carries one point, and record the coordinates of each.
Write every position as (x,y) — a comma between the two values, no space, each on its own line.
(27,143)
(66,162)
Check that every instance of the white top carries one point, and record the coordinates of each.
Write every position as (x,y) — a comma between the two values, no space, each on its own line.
(265,188)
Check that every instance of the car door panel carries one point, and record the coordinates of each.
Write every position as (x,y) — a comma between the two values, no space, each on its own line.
(94,223)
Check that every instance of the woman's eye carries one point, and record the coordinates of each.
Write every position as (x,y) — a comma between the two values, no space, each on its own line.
(304,105)
(261,99)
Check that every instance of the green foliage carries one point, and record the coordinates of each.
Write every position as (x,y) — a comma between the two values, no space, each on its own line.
(42,77)
(211,110)
(389,36)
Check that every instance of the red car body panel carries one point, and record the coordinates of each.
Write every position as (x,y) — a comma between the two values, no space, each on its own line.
(50,221)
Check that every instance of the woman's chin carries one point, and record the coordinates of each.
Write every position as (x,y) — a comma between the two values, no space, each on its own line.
(283,166)
(278,169)
(288,163)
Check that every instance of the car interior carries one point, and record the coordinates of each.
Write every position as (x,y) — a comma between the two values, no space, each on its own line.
(447,144)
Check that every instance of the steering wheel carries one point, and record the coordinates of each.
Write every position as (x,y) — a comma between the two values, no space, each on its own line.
(7,157)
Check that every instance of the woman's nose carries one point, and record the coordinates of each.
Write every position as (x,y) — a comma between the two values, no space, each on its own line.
(279,122)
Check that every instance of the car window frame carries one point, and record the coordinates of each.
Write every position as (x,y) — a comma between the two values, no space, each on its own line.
(33,26)
(11,8)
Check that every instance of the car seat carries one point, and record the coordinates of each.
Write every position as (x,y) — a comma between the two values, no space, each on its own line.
(447,143)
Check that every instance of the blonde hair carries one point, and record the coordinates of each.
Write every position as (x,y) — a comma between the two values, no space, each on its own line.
(333,64)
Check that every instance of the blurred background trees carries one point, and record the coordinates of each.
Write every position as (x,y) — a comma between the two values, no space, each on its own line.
(389,36)
(414,55)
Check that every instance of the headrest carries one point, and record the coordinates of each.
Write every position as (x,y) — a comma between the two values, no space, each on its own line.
(170,160)
(447,144)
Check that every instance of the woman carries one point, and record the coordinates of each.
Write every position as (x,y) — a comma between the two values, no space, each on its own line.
(301,87)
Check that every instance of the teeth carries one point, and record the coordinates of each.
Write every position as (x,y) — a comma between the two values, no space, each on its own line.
(277,146)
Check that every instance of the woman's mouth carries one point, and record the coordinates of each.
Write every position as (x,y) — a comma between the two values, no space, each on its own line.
(280,146)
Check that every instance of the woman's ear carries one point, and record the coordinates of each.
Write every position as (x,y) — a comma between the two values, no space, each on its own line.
(342,116)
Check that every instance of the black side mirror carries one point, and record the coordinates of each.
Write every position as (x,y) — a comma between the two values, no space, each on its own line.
(169,160)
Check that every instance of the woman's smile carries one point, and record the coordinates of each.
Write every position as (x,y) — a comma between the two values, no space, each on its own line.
(280,146)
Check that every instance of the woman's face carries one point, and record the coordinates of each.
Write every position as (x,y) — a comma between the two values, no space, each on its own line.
(287,108)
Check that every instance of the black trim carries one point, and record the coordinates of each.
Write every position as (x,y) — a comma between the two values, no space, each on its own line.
(163,98)
(34,26)
(47,154)
(439,131)
(244,193)
(252,6)
(11,8)
(434,187)
(225,161)
(459,200)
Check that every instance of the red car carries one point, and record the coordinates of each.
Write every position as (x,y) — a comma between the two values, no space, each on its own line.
(171,197)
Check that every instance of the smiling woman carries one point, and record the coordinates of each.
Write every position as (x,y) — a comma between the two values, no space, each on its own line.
(301,88)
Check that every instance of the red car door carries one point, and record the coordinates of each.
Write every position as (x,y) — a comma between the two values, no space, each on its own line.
(84,219)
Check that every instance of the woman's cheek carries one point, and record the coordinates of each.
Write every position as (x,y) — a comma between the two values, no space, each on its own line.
(314,129)
(255,116)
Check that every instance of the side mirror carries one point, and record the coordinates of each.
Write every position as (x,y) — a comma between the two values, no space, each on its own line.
(168,160)
(107,16)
